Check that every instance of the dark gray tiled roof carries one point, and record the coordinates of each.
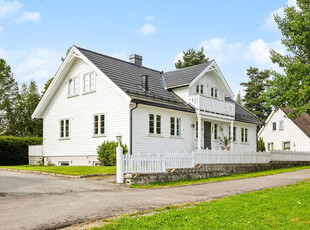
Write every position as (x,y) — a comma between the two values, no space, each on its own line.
(127,76)
(182,77)
(244,115)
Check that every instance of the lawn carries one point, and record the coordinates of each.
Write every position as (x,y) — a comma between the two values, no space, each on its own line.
(217,179)
(285,207)
(67,170)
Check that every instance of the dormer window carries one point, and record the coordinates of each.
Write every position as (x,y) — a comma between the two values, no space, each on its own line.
(89,82)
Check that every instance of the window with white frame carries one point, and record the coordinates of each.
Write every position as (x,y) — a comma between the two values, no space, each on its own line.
(213,92)
(99,124)
(154,124)
(244,135)
(199,89)
(234,133)
(64,128)
(286,145)
(175,126)
(73,86)
(281,125)
(196,130)
(215,131)
(270,146)
(89,82)
(274,126)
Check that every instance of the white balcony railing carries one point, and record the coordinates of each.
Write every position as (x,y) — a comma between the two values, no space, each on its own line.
(211,105)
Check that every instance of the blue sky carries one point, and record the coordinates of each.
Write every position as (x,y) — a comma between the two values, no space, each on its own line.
(237,34)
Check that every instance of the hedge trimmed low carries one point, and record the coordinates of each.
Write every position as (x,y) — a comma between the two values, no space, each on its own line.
(14,150)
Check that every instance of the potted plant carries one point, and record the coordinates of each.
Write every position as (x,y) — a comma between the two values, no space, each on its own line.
(225,141)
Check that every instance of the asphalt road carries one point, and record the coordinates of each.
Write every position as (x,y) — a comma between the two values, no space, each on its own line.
(31,201)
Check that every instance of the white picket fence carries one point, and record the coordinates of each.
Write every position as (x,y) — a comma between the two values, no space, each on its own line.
(147,163)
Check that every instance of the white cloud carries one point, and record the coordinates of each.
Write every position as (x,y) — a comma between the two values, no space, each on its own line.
(30,16)
(8,7)
(270,24)
(148,29)
(178,57)
(149,17)
(38,64)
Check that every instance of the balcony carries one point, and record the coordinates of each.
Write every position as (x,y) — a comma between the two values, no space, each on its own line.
(212,105)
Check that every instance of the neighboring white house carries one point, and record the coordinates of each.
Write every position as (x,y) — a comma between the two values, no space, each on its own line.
(283,133)
(94,98)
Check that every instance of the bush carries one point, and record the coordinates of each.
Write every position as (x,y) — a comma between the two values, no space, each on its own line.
(14,150)
(261,145)
(107,152)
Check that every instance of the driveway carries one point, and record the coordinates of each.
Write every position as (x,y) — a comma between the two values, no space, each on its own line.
(44,202)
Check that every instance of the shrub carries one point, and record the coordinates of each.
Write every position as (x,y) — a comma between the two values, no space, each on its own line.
(261,145)
(107,152)
(14,150)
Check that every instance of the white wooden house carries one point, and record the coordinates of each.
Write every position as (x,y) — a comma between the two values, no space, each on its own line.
(283,133)
(94,98)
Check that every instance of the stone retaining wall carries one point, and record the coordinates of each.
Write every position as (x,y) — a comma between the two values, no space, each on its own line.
(206,171)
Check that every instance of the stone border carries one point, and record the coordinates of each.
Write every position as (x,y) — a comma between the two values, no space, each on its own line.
(56,174)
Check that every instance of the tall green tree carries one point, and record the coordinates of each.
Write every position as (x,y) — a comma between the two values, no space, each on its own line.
(239,98)
(8,96)
(27,102)
(254,89)
(191,57)
(292,89)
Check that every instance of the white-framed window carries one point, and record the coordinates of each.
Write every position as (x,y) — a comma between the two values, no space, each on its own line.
(196,130)
(215,131)
(154,124)
(270,146)
(64,128)
(281,125)
(73,86)
(175,126)
(244,135)
(213,92)
(286,145)
(89,80)
(234,133)
(274,126)
(63,163)
(199,89)
(99,124)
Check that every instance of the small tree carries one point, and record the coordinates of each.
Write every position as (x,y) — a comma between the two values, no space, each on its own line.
(107,152)
(261,145)
(225,141)
(191,57)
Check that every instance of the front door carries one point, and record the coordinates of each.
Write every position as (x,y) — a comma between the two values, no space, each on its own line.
(207,134)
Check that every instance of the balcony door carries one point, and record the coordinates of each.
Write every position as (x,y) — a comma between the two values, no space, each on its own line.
(207,135)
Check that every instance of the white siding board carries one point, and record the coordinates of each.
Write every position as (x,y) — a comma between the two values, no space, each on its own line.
(182,93)
(80,110)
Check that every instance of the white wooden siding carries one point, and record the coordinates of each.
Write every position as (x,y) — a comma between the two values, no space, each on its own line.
(143,142)
(182,93)
(80,110)
(298,139)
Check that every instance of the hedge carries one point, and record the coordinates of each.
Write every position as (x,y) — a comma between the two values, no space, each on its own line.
(14,150)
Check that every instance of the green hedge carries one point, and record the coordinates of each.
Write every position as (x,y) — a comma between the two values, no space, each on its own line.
(14,150)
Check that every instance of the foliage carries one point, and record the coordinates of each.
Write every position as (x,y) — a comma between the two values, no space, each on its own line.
(292,89)
(67,52)
(190,58)
(218,179)
(8,96)
(47,84)
(239,98)
(14,150)
(28,100)
(107,152)
(67,170)
(261,145)
(225,141)
(284,207)
(254,89)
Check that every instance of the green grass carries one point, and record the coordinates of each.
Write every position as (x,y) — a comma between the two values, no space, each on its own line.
(67,170)
(217,179)
(285,207)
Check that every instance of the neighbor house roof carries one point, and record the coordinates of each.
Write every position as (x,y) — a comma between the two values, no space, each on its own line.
(244,115)
(182,77)
(302,122)
(127,76)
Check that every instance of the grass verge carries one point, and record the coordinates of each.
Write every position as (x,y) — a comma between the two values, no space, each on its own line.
(66,170)
(217,179)
(285,207)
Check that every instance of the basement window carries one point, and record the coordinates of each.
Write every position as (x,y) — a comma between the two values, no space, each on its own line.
(63,163)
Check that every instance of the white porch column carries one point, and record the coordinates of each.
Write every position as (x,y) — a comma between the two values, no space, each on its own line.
(232,134)
(199,131)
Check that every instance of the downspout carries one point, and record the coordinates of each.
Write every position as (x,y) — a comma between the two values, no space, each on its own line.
(131,127)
